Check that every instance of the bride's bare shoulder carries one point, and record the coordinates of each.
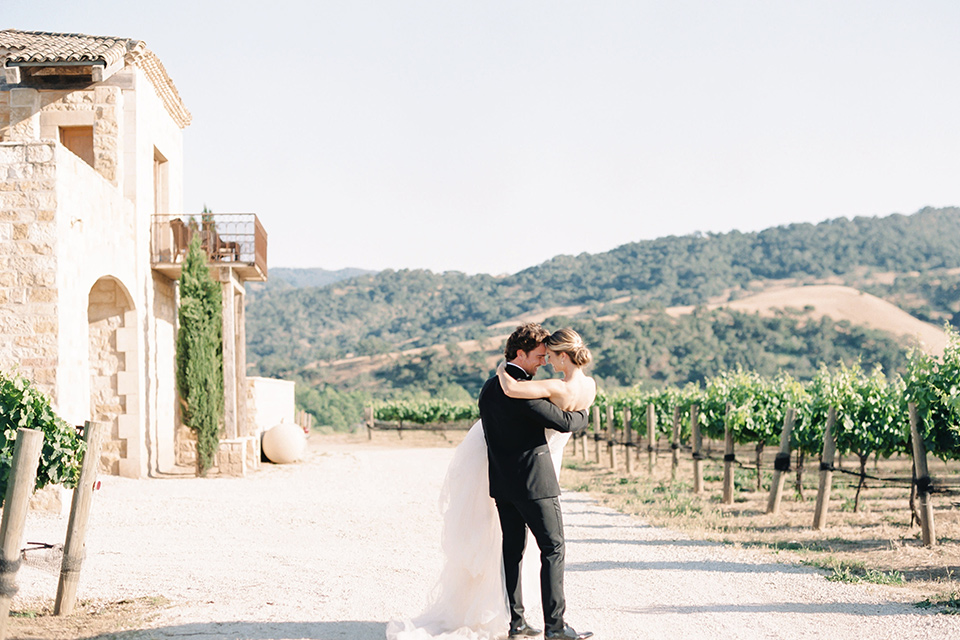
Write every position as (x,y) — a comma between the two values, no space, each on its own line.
(591,386)
(588,382)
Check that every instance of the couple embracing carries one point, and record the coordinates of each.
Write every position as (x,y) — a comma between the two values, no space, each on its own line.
(501,490)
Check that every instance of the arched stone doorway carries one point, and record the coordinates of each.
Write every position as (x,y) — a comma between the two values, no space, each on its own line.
(112,322)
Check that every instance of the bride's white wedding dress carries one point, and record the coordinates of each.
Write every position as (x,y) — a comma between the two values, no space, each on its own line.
(470,601)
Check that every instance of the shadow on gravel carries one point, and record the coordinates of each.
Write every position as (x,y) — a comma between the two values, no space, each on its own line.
(845,608)
(343,630)
(626,525)
(712,566)
(645,543)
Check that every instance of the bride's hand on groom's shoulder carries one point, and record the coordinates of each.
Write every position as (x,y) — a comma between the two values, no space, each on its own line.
(502,366)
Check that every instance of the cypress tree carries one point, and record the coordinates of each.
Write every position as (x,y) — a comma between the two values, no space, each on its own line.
(200,354)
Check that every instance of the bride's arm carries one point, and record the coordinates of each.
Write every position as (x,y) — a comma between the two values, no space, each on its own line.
(529,389)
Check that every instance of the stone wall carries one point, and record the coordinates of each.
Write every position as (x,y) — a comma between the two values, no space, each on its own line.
(100,107)
(235,458)
(28,262)
(113,376)
(149,131)
(69,231)
(106,361)
(4,113)
(21,113)
(95,243)
(238,457)
(186,446)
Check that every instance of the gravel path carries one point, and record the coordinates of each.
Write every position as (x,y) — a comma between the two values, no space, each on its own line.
(334,547)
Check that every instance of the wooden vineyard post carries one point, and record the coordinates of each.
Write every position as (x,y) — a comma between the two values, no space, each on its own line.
(611,437)
(584,435)
(368,421)
(781,465)
(20,485)
(628,440)
(77,526)
(728,458)
(305,421)
(697,444)
(651,437)
(573,443)
(675,444)
(596,434)
(927,531)
(826,471)
(585,439)
(639,440)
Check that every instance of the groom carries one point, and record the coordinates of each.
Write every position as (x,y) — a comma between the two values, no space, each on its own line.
(524,483)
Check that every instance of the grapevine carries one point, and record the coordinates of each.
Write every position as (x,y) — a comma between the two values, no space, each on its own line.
(426,411)
(871,408)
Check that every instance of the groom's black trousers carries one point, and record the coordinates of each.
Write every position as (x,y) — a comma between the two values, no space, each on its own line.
(544,519)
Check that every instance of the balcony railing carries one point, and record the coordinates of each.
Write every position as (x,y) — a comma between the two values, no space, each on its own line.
(235,240)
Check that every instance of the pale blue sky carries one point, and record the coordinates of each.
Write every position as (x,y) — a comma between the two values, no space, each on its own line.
(427,134)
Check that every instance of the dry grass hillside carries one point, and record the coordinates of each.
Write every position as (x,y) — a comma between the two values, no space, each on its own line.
(840,303)
(349,368)
(836,301)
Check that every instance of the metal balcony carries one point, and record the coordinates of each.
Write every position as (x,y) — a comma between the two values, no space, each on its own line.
(234,240)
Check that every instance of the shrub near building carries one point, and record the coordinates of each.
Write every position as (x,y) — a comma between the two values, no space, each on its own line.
(21,405)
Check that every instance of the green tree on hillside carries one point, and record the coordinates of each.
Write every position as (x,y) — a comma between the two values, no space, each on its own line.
(392,311)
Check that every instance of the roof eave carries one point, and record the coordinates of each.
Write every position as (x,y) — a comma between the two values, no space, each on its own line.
(100,70)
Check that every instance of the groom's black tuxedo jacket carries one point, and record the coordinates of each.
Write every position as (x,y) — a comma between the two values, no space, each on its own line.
(517,452)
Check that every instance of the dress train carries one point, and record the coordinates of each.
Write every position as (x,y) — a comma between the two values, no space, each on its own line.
(469,601)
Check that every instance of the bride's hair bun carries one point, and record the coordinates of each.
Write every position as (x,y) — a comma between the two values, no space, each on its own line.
(569,342)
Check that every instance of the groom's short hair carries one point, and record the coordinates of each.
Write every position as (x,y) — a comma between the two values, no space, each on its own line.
(526,337)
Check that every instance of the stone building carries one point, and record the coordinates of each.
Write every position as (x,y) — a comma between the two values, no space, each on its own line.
(92,233)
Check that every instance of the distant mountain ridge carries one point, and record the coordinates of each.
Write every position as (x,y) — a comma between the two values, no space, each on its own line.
(300,278)
(928,239)
(389,311)
(289,278)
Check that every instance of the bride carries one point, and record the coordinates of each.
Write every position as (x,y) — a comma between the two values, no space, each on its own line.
(469,601)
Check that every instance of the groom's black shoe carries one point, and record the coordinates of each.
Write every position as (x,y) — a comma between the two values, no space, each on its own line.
(567,633)
(523,630)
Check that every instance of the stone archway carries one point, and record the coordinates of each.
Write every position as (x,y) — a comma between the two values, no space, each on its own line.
(112,321)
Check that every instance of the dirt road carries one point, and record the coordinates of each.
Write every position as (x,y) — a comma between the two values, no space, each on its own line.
(334,547)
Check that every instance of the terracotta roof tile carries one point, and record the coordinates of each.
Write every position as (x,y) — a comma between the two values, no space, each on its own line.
(41,46)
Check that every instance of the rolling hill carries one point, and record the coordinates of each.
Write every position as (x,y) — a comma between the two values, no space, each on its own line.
(788,297)
(841,304)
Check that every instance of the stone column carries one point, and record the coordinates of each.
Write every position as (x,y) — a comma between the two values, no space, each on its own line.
(129,426)
(24,115)
(243,423)
(229,355)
